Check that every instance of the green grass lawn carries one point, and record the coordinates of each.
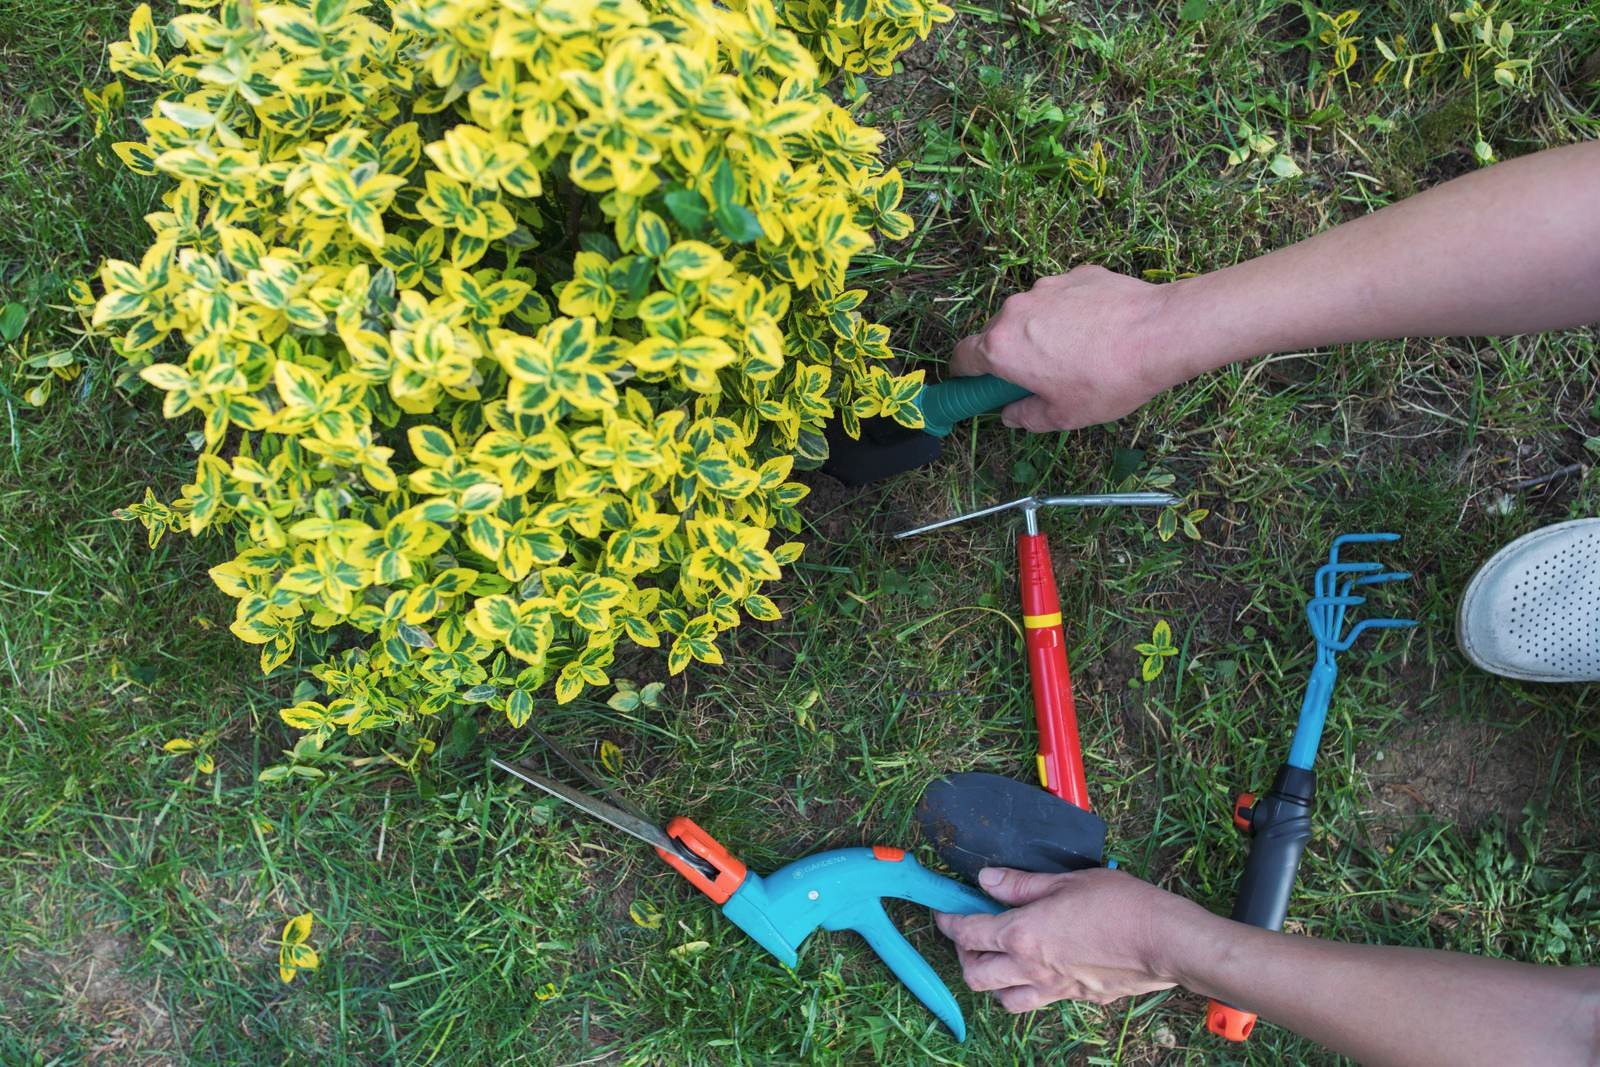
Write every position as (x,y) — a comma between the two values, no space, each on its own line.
(1457,810)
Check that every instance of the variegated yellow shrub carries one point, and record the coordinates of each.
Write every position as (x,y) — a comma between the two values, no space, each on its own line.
(502,323)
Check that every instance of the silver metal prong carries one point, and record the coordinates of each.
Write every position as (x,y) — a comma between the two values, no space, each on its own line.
(980,513)
(1031,504)
(1109,500)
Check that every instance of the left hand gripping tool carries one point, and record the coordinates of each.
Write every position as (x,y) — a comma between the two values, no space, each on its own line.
(842,889)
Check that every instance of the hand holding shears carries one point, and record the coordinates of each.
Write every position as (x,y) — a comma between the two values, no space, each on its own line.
(842,889)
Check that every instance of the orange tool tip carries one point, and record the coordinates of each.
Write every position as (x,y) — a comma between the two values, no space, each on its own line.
(729,871)
(1241,810)
(1229,1022)
(888,854)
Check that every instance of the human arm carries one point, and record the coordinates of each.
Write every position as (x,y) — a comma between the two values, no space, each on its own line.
(1510,249)
(1101,935)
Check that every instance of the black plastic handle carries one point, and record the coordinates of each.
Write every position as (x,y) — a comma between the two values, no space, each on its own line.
(1280,827)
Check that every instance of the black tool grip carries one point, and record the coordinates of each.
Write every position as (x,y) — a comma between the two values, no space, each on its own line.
(1280,826)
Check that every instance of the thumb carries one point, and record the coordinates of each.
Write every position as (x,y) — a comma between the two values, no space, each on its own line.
(969,357)
(1030,413)
(1017,887)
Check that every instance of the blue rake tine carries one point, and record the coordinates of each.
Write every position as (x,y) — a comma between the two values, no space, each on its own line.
(1324,612)
(1379,579)
(1327,581)
(1333,593)
(1369,624)
(1360,539)
(1325,631)
(1342,599)
(1353,539)
(1346,600)
(1372,579)
(1370,573)
(1323,583)
(1333,605)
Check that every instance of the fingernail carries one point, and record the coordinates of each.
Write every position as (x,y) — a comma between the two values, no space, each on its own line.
(989,877)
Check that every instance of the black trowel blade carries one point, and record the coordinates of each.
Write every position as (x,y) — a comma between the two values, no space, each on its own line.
(884,449)
(980,820)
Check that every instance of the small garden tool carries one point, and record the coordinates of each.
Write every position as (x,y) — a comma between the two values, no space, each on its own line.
(885,448)
(978,820)
(842,889)
(1279,824)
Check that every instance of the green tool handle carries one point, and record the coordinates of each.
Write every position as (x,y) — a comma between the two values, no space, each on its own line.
(954,400)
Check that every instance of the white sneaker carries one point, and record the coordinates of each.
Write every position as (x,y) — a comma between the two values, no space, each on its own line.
(1533,611)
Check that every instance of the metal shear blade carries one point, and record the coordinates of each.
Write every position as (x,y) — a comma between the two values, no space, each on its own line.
(629,822)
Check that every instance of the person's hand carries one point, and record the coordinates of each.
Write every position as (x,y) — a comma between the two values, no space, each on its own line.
(1095,935)
(1090,345)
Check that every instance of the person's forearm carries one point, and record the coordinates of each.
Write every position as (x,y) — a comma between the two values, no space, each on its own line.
(1385,1005)
(1511,249)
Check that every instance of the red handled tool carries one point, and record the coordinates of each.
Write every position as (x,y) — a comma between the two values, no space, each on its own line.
(1060,752)
(978,820)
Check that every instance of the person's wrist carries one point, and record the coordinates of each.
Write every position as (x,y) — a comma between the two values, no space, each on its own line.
(1200,330)
(1186,942)
(1167,349)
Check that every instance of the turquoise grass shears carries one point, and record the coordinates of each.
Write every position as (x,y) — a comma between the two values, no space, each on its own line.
(842,889)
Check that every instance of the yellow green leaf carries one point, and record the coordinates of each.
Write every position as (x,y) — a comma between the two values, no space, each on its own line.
(690,948)
(689,261)
(645,914)
(298,929)
(762,608)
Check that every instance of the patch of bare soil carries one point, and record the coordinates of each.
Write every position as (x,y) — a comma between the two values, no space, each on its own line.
(95,989)
(837,512)
(827,506)
(1464,772)
(898,101)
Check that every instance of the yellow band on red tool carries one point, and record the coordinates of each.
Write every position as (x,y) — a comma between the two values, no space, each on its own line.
(1044,779)
(1039,622)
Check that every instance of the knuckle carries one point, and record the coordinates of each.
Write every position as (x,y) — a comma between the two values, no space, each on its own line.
(1019,941)
(1003,336)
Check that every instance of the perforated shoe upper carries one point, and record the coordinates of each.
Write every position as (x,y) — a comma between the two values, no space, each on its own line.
(1533,610)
